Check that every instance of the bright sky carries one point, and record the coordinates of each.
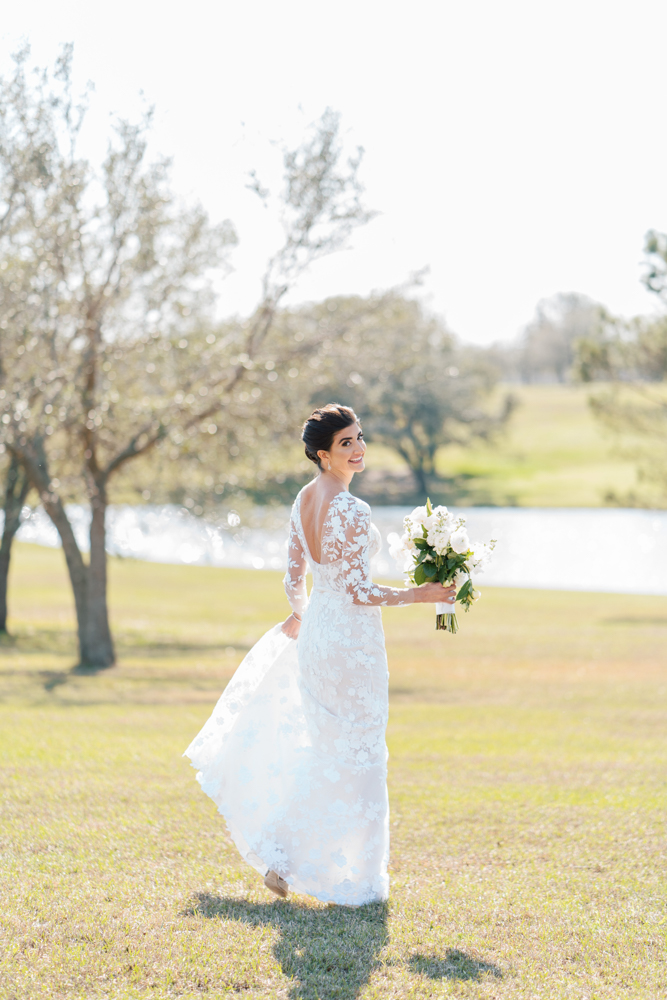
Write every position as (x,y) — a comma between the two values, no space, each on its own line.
(518,148)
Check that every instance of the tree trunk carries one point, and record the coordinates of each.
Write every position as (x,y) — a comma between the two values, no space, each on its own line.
(16,491)
(419,473)
(88,582)
(96,642)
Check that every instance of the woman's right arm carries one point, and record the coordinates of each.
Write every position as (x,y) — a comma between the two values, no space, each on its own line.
(295,583)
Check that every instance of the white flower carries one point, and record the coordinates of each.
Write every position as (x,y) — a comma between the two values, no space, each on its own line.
(441,512)
(396,546)
(438,537)
(459,579)
(414,521)
(481,556)
(476,594)
(430,522)
(459,541)
(401,549)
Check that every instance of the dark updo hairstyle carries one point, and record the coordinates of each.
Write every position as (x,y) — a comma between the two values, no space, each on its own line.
(320,427)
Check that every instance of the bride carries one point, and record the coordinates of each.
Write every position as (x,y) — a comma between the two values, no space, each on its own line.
(294,754)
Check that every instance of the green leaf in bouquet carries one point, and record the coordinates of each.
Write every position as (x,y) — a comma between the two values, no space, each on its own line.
(430,569)
(420,575)
(464,591)
(429,509)
(421,543)
(443,575)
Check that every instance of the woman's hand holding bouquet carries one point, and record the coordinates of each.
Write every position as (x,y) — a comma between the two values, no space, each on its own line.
(436,547)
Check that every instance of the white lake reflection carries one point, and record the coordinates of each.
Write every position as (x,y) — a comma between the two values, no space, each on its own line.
(621,551)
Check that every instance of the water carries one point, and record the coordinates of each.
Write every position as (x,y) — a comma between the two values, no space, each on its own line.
(619,551)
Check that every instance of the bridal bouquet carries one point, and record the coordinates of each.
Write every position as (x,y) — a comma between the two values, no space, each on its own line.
(435,546)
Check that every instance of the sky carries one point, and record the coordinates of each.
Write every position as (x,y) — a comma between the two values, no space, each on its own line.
(515,149)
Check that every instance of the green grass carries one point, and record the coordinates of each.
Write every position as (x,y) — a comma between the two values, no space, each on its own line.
(527,784)
(552,454)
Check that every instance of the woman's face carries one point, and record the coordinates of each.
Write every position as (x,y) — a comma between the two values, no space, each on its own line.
(346,453)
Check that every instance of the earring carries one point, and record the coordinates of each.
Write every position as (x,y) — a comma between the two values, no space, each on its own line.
(329,466)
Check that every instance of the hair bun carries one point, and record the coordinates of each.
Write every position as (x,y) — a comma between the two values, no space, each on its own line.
(321,426)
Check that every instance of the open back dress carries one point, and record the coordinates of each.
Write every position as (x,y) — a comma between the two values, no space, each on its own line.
(294,754)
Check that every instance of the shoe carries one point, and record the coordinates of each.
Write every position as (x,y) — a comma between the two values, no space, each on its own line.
(275,883)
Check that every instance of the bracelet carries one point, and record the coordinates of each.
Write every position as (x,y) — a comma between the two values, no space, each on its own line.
(294,615)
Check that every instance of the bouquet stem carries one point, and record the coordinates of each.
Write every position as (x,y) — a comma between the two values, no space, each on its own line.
(445,618)
(448,623)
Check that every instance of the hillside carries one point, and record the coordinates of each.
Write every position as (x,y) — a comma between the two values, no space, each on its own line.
(552,454)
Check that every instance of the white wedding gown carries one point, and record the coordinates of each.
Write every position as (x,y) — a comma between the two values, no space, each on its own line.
(294,754)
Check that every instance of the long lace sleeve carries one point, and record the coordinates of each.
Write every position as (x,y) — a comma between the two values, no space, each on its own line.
(356,567)
(295,577)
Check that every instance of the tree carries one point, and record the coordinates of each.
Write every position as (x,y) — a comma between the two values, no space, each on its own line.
(411,384)
(548,344)
(94,260)
(23,154)
(630,358)
(17,488)
(123,360)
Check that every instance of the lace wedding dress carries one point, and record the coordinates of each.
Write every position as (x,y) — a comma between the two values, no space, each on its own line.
(294,755)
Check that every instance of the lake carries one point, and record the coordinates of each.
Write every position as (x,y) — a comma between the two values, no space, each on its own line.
(614,550)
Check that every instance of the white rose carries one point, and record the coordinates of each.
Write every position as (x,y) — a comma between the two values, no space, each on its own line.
(459,541)
(438,537)
(476,594)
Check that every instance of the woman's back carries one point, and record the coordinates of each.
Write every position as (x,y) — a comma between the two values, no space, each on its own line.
(314,507)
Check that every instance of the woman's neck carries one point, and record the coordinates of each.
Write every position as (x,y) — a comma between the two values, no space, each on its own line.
(338,478)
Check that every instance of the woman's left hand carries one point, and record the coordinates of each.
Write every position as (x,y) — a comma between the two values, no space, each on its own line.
(291,627)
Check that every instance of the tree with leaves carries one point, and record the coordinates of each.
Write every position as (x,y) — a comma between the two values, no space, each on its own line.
(122,361)
(630,358)
(548,345)
(414,388)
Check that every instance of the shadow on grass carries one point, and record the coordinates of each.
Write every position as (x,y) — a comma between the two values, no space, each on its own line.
(327,953)
(455,965)
(163,648)
(51,679)
(63,641)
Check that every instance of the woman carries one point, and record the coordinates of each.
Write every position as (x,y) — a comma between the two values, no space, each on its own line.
(294,755)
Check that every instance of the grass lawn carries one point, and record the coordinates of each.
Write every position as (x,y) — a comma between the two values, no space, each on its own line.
(528,789)
(553,453)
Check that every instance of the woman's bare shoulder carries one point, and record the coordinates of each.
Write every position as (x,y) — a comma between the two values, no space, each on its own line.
(308,493)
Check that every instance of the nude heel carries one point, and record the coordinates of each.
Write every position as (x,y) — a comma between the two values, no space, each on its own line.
(275,883)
